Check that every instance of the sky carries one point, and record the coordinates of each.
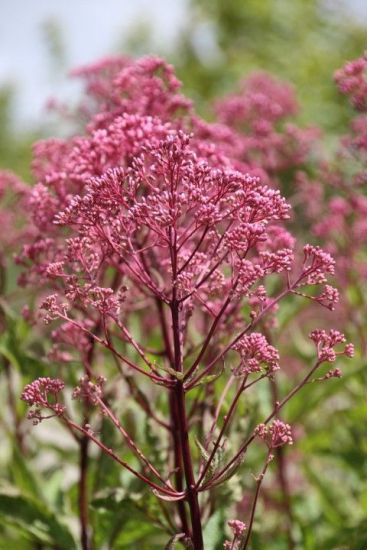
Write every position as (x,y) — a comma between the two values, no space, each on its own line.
(90,29)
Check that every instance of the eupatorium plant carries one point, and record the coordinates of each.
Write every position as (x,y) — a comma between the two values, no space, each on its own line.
(165,258)
(336,202)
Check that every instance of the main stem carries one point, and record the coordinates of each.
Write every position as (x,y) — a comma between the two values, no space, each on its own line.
(281,465)
(83,493)
(178,460)
(173,421)
(179,392)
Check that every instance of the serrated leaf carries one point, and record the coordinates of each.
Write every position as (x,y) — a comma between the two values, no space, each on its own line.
(232,470)
(215,462)
(204,453)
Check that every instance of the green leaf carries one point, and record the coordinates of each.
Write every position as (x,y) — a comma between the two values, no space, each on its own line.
(204,453)
(175,373)
(34,518)
(213,531)
(14,345)
(316,393)
(172,543)
(125,519)
(332,502)
(23,477)
(231,471)
(206,379)
(350,538)
(216,462)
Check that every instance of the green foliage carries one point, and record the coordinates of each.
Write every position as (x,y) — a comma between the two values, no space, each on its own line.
(15,147)
(300,41)
(34,521)
(122,520)
(213,531)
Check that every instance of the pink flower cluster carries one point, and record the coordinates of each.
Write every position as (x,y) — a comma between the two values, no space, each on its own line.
(256,353)
(317,264)
(238,528)
(258,115)
(326,342)
(335,197)
(152,215)
(37,394)
(275,435)
(351,81)
(172,214)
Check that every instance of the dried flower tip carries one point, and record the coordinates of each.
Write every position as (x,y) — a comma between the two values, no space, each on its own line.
(89,391)
(53,308)
(333,373)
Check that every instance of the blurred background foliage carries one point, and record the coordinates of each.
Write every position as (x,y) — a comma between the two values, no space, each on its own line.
(15,146)
(223,41)
(220,43)
(300,41)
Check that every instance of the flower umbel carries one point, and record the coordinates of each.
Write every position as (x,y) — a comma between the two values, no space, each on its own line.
(43,394)
(275,435)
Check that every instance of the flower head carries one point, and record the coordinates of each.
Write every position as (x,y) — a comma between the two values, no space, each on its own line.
(42,393)
(256,354)
(326,342)
(277,434)
(237,526)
